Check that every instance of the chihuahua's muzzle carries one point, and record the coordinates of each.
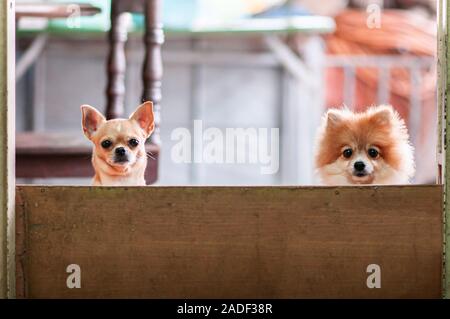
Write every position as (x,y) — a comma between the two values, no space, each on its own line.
(120,155)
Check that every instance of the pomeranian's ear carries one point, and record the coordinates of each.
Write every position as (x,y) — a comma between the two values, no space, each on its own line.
(383,114)
(145,118)
(334,117)
(91,120)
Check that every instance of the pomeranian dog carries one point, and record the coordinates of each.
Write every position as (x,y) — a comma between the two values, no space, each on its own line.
(371,147)
(119,156)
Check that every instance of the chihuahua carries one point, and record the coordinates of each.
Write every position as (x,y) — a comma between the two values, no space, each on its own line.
(370,147)
(119,156)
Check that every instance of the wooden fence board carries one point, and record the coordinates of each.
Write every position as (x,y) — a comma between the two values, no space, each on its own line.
(225,242)
(443,138)
(7,130)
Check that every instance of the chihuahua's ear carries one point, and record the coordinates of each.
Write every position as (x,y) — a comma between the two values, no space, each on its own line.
(144,116)
(91,120)
(383,114)
(334,117)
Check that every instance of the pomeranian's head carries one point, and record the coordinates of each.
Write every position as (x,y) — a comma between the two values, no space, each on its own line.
(371,147)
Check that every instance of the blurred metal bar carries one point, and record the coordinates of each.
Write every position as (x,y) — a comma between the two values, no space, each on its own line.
(415,113)
(288,59)
(220,58)
(196,110)
(349,86)
(384,79)
(30,55)
(388,61)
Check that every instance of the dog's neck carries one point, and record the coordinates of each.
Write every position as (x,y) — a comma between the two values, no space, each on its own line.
(106,175)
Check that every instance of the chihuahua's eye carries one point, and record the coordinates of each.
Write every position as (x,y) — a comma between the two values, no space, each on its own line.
(133,142)
(106,144)
(347,153)
(372,152)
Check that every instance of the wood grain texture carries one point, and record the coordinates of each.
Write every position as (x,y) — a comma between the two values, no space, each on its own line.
(443,151)
(229,242)
(7,129)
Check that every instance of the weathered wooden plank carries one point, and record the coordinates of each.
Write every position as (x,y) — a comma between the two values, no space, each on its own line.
(441,88)
(443,150)
(7,121)
(225,242)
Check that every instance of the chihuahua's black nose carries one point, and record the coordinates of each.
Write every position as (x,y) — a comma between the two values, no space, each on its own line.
(120,151)
(359,166)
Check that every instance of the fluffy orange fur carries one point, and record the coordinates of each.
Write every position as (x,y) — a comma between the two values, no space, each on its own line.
(380,128)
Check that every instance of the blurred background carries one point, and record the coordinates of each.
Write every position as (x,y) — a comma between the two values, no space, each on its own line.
(232,64)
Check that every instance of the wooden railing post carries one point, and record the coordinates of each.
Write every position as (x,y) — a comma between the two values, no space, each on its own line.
(7,174)
(116,68)
(153,67)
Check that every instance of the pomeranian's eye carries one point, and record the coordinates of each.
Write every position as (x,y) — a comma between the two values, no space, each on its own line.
(372,152)
(106,144)
(347,153)
(133,142)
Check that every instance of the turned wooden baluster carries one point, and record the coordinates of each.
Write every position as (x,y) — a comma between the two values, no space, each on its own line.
(153,68)
(115,91)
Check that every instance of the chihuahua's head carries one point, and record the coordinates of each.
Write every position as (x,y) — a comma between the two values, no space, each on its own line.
(119,144)
(371,147)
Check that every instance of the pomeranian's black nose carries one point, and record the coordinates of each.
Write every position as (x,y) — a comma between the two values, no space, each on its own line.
(359,166)
(120,151)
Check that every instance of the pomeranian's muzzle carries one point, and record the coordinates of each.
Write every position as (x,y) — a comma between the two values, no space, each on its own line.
(120,155)
(359,169)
